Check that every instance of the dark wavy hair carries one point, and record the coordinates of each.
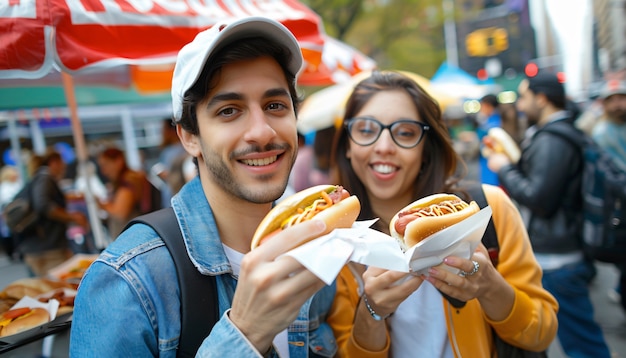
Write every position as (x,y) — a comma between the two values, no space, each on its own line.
(442,168)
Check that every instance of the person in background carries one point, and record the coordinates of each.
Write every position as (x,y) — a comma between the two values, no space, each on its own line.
(48,246)
(610,134)
(546,185)
(392,149)
(488,117)
(311,167)
(592,114)
(171,150)
(10,185)
(299,178)
(234,100)
(511,123)
(182,170)
(129,189)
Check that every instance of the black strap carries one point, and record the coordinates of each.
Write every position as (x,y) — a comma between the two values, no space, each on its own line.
(567,132)
(198,301)
(490,238)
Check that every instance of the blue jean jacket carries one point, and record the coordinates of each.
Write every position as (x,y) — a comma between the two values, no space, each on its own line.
(128,301)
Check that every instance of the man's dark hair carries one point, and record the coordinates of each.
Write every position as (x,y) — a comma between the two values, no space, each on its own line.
(490,99)
(245,49)
(51,156)
(549,85)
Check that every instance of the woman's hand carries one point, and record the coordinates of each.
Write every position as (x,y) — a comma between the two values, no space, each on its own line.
(477,278)
(385,290)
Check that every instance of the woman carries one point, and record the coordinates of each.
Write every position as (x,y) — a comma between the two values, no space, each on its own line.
(129,190)
(392,149)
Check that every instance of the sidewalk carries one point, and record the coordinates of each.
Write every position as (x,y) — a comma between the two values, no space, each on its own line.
(608,314)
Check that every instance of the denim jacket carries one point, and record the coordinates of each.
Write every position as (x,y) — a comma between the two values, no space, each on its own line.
(128,301)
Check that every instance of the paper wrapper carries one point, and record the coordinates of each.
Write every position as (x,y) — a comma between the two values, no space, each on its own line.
(325,256)
(51,306)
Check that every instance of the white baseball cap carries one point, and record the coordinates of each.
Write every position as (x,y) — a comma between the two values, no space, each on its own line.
(193,57)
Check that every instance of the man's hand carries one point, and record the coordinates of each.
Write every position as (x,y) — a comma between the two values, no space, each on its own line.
(271,291)
(79,219)
(496,161)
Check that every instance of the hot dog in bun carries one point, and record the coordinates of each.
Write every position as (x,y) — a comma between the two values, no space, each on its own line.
(330,203)
(22,319)
(428,215)
(498,140)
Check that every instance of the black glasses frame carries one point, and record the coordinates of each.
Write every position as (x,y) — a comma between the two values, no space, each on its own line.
(348,125)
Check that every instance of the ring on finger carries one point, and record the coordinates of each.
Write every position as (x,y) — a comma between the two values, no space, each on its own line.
(474,270)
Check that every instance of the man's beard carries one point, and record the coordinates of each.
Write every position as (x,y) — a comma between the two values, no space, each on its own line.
(224,177)
(618,116)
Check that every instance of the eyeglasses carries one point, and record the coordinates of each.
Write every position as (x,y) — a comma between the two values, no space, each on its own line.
(405,133)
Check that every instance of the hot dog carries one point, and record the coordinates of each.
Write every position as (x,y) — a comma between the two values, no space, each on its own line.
(330,203)
(21,319)
(498,140)
(428,215)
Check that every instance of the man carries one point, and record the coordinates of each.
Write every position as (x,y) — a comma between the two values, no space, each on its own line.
(546,184)
(611,135)
(488,117)
(47,246)
(171,153)
(611,132)
(234,103)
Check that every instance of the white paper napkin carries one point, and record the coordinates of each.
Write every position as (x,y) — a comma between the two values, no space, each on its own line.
(325,256)
(51,306)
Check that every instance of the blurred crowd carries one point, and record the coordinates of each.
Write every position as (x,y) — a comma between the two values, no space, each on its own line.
(58,189)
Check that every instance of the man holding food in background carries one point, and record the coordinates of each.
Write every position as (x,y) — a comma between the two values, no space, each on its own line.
(234,102)
(546,184)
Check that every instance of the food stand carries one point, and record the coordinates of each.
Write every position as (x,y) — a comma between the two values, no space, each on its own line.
(54,293)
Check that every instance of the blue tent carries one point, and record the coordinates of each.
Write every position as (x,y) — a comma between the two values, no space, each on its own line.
(447,73)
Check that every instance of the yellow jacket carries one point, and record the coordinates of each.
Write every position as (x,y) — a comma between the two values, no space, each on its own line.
(531,324)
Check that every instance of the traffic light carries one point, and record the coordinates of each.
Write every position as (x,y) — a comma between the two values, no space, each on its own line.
(531,69)
(482,74)
(500,39)
(487,42)
(476,44)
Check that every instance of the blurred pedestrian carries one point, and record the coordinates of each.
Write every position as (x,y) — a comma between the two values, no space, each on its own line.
(312,164)
(48,245)
(128,190)
(182,170)
(546,184)
(610,134)
(171,151)
(488,117)
(10,184)
(393,149)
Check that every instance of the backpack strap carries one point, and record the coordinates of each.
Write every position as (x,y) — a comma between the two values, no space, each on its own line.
(198,293)
(490,238)
(567,132)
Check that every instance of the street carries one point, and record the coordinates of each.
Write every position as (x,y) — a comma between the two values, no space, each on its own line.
(609,314)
